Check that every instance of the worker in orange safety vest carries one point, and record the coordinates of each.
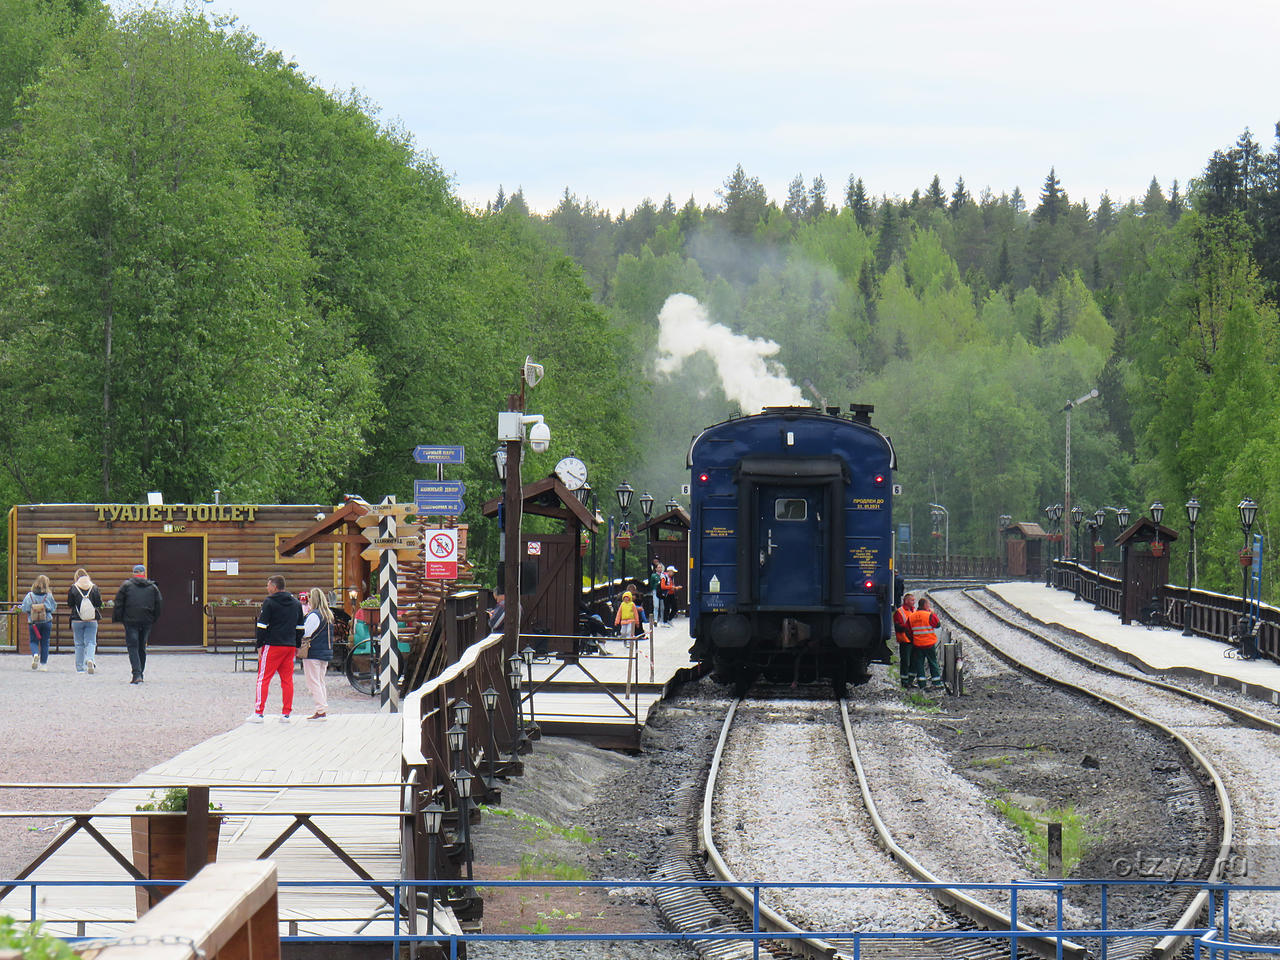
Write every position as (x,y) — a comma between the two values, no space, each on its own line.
(902,630)
(924,640)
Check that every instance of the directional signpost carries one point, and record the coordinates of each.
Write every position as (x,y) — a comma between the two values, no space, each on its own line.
(432,453)
(439,498)
(387,548)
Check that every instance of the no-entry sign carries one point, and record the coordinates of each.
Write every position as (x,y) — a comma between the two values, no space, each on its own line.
(441,554)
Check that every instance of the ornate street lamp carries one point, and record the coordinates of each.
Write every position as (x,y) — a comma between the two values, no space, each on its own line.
(583,493)
(1123,516)
(624,493)
(490,698)
(1157,514)
(462,781)
(1077,515)
(673,504)
(1248,513)
(1193,513)
(432,820)
(515,675)
(527,654)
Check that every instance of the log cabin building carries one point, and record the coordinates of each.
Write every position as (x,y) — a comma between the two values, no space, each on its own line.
(211,562)
(206,558)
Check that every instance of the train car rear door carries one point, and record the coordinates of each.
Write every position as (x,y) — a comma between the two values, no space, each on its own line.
(790,545)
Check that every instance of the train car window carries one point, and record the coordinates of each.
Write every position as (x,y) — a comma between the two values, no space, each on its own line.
(790,509)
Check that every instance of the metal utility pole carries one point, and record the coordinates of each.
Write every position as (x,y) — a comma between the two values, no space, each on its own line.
(1066,496)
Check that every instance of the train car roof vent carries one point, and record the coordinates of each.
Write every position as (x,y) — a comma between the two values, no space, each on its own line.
(862,412)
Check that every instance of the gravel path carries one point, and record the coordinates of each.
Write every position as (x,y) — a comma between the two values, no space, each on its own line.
(65,727)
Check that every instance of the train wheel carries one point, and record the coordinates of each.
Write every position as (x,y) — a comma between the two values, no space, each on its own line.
(744,676)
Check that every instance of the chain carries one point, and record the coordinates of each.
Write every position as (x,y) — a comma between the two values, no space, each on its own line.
(84,947)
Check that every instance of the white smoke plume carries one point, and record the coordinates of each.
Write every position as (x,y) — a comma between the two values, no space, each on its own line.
(746,374)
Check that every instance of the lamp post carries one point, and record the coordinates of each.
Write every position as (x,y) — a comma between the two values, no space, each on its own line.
(515,673)
(1099,518)
(490,698)
(1248,512)
(1193,513)
(1066,472)
(624,493)
(646,507)
(1095,542)
(1077,515)
(462,781)
(946,516)
(433,818)
(527,654)
(1157,514)
(673,504)
(511,433)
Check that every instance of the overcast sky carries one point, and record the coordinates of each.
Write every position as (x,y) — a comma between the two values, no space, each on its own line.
(620,102)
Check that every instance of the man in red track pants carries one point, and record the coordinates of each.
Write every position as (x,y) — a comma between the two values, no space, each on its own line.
(279,632)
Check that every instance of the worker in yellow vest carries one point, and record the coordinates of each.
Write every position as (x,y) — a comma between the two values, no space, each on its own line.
(924,641)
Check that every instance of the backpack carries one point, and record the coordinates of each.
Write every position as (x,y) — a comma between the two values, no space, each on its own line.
(39,612)
(87,610)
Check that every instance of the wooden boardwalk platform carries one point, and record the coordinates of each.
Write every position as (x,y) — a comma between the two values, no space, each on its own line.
(255,770)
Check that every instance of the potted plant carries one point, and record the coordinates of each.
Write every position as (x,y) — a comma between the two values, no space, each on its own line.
(1157,548)
(160,843)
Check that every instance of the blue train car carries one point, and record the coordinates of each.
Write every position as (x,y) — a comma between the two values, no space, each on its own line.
(791,546)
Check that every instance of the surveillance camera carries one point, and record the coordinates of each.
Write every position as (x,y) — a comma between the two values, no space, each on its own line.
(532,372)
(539,437)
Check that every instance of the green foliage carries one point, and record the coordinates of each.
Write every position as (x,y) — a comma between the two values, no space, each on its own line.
(174,800)
(31,943)
(1034,828)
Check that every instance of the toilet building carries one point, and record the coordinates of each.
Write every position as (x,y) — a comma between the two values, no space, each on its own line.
(206,558)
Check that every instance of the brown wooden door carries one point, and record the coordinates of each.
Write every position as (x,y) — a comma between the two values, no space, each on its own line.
(1016,551)
(674,553)
(553,608)
(176,564)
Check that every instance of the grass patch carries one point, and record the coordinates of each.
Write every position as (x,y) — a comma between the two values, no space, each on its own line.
(921,702)
(542,829)
(1034,827)
(539,867)
(1001,761)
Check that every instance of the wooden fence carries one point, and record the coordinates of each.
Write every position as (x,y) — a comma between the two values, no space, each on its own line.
(1214,615)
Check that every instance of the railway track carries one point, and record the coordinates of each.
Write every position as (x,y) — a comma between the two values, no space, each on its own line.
(694,911)
(1206,721)
(1234,746)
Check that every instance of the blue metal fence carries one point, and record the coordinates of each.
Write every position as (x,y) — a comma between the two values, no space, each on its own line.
(1212,939)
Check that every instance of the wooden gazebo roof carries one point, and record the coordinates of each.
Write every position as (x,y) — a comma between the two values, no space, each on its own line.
(676,518)
(548,498)
(322,530)
(1144,529)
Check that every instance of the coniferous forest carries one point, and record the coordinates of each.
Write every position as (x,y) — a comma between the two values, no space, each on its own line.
(214,274)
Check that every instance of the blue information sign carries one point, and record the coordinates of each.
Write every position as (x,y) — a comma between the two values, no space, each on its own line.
(430,507)
(904,533)
(427,453)
(438,489)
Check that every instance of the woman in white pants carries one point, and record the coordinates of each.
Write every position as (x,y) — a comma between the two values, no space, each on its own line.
(317,650)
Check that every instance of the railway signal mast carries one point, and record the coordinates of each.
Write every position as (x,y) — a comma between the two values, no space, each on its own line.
(1066,497)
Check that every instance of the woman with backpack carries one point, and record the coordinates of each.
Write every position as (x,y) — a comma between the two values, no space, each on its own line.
(86,610)
(39,606)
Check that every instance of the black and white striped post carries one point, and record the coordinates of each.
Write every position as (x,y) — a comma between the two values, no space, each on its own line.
(388,673)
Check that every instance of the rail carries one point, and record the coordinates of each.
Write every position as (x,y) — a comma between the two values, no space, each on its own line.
(1213,615)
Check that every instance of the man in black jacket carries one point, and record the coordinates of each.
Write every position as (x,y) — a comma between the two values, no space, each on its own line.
(279,633)
(138,605)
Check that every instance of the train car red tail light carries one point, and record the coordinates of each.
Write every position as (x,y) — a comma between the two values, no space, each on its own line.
(704,478)
(868,584)
(879,480)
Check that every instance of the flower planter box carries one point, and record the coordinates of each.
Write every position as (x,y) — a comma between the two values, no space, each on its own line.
(160,852)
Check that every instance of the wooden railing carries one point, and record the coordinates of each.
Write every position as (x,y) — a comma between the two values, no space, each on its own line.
(1213,615)
(228,911)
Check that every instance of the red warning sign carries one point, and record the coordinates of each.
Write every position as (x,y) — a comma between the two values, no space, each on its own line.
(441,555)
